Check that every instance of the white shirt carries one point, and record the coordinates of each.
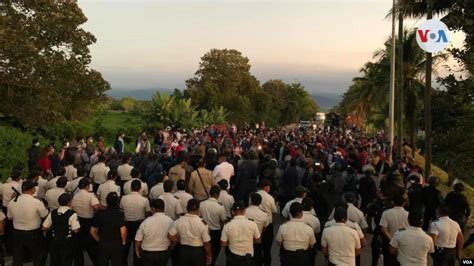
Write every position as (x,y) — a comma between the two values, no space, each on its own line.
(286,210)
(447,231)
(312,221)
(153,232)
(124,171)
(172,205)
(240,233)
(213,213)
(350,224)
(127,187)
(192,231)
(255,214)
(156,191)
(413,246)
(295,235)
(83,203)
(73,186)
(73,220)
(8,192)
(52,197)
(42,187)
(99,173)
(342,242)
(394,219)
(134,207)
(223,170)
(183,197)
(355,215)
(26,213)
(268,204)
(104,190)
(52,183)
(71,172)
(227,201)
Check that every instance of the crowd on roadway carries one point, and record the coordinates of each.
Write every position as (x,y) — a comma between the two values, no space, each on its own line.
(186,197)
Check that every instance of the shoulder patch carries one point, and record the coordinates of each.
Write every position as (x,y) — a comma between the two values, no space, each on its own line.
(176,197)
(250,219)
(204,222)
(403,229)
(220,203)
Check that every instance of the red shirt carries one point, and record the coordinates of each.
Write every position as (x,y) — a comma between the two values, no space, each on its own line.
(44,163)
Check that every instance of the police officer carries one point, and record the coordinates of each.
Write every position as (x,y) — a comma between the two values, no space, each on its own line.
(172,204)
(8,193)
(312,221)
(268,205)
(255,214)
(412,244)
(135,207)
(127,187)
(431,199)
(447,237)
(240,235)
(53,194)
(151,241)
(213,213)
(295,238)
(340,242)
(193,235)
(85,204)
(391,221)
(109,186)
(108,228)
(64,224)
(182,195)
(374,213)
(225,198)
(27,213)
(301,193)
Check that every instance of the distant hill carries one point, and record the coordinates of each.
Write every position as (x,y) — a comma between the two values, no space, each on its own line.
(325,100)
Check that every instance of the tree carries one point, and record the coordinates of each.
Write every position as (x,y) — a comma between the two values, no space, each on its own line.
(44,63)
(128,103)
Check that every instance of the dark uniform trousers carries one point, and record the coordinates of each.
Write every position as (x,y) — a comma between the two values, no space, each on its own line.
(192,256)
(267,241)
(8,233)
(110,252)
(236,260)
(257,254)
(28,242)
(132,228)
(85,243)
(154,258)
(62,252)
(293,258)
(388,258)
(444,256)
(215,243)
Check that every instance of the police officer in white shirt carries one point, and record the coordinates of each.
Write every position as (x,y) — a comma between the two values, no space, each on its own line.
(412,244)
(312,221)
(193,235)
(225,198)
(35,175)
(295,238)
(127,189)
(107,187)
(392,220)
(64,225)
(53,194)
(223,170)
(255,214)
(158,189)
(213,213)
(182,195)
(340,242)
(73,186)
(240,235)
(301,193)
(268,205)
(353,213)
(172,204)
(71,171)
(151,241)
(125,169)
(27,213)
(447,237)
(99,172)
(8,193)
(52,182)
(85,204)
(135,208)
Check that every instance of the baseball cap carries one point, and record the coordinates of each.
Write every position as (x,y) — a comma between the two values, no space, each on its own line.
(238,205)
(64,199)
(28,184)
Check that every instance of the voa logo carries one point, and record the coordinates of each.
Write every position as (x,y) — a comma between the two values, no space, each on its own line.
(432,36)
(467,262)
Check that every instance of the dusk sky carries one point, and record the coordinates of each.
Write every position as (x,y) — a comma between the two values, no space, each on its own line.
(158,44)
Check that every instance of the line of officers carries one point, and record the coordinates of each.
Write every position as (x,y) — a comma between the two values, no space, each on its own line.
(186,231)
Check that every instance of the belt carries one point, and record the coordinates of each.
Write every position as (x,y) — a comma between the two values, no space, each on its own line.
(443,248)
(298,251)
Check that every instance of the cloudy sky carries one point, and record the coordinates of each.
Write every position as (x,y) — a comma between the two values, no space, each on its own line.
(158,44)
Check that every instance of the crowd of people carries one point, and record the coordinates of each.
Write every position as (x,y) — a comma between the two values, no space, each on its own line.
(185,197)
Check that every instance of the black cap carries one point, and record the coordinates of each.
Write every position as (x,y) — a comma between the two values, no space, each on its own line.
(64,199)
(300,190)
(238,205)
(350,196)
(28,184)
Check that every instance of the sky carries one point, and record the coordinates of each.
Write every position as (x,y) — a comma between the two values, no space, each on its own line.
(158,44)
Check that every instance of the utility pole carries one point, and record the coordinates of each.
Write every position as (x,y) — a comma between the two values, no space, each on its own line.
(391,111)
(399,94)
(429,59)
